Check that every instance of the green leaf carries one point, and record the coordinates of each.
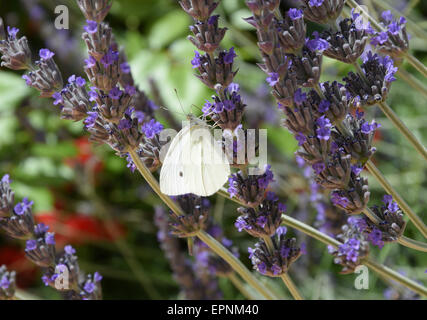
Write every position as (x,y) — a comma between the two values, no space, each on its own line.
(170,27)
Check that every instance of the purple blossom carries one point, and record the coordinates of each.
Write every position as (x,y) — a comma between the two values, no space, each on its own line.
(375,237)
(241,224)
(213,20)
(27,79)
(140,116)
(89,287)
(380,38)
(91,119)
(46,54)
(266,178)
(233,87)
(80,81)
(196,62)
(324,128)
(124,124)
(115,93)
(57,98)
(31,245)
(12,32)
(317,44)
(125,67)
(300,138)
(207,108)
(130,163)
(23,206)
(316,3)
(359,114)
(130,90)
(69,250)
(109,58)
(262,268)
(4,282)
(261,221)
(393,28)
(299,97)
(356,169)
(251,252)
(91,26)
(276,269)
(324,106)
(295,13)
(391,205)
(229,56)
(387,16)
(339,200)
(93,95)
(281,207)
(50,238)
(318,167)
(152,128)
(273,79)
(281,230)
(90,62)
(41,228)
(367,128)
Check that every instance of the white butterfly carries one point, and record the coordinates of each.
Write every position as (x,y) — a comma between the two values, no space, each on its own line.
(194,163)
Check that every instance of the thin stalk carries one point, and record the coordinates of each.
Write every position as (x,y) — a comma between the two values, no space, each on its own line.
(214,245)
(413,244)
(404,241)
(412,81)
(291,286)
(403,129)
(395,276)
(236,264)
(417,64)
(285,277)
(240,286)
(419,224)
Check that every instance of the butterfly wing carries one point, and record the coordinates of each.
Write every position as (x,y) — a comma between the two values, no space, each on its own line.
(193,164)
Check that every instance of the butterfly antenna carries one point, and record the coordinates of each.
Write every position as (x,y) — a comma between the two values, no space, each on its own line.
(180,103)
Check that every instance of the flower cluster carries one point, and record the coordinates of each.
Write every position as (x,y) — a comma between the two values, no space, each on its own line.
(275,261)
(214,68)
(112,107)
(390,226)
(393,40)
(7,283)
(61,270)
(196,216)
(352,251)
(194,285)
(333,141)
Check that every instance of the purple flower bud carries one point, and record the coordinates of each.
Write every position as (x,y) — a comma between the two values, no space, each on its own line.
(299,97)
(90,62)
(152,128)
(356,169)
(91,26)
(69,250)
(324,128)
(324,106)
(46,54)
(273,79)
(89,287)
(229,56)
(50,238)
(300,138)
(91,119)
(318,167)
(57,98)
(316,3)
(97,277)
(12,32)
(31,245)
(196,62)
(261,221)
(125,67)
(295,13)
(115,93)
(80,81)
(387,16)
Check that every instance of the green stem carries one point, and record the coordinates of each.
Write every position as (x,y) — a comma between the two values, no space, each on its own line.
(412,81)
(236,264)
(417,64)
(291,286)
(403,129)
(214,245)
(419,224)
(240,286)
(413,244)
(393,275)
